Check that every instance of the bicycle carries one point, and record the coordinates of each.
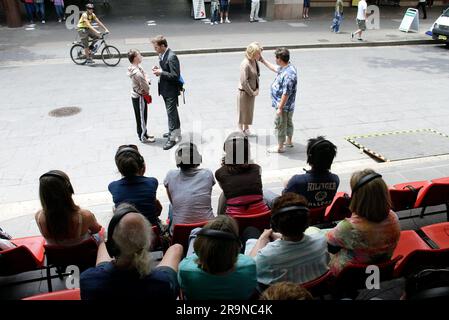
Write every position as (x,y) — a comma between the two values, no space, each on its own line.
(109,54)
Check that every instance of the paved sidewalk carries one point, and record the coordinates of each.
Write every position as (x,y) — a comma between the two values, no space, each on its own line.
(53,41)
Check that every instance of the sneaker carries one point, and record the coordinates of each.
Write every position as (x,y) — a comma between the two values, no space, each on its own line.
(360,39)
(216,22)
(221,20)
(211,23)
(276,150)
(59,20)
(288,145)
(43,21)
(249,134)
(150,139)
(252,20)
(227,21)
(90,61)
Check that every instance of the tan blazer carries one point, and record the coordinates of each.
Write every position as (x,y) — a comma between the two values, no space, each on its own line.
(249,77)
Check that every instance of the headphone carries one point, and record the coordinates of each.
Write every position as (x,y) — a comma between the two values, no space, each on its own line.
(131,149)
(231,144)
(299,210)
(366,179)
(219,235)
(187,153)
(314,145)
(56,174)
(111,247)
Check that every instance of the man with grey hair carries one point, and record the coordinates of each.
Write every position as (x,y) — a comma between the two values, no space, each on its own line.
(124,268)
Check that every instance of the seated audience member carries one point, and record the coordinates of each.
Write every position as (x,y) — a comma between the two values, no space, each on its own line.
(372,232)
(318,185)
(134,187)
(217,270)
(189,188)
(284,252)
(61,221)
(5,244)
(131,274)
(240,180)
(286,291)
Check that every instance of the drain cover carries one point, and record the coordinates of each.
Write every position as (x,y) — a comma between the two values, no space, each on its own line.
(64,112)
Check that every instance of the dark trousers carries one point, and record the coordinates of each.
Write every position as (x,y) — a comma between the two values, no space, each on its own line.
(174,125)
(249,233)
(423,8)
(30,11)
(141,113)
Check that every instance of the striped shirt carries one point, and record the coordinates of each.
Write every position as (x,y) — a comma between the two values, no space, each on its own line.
(363,241)
(297,262)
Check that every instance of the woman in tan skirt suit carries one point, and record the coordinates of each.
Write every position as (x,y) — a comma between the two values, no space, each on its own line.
(248,86)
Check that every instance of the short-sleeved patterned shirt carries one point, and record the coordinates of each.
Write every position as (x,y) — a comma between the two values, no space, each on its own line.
(362,241)
(286,83)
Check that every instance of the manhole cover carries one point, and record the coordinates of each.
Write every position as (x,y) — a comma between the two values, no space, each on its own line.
(64,112)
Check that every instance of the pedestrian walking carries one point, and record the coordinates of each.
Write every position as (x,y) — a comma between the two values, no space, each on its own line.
(59,8)
(140,95)
(255,7)
(170,87)
(283,96)
(214,12)
(40,9)
(224,11)
(338,16)
(248,87)
(422,4)
(361,20)
(29,8)
(305,9)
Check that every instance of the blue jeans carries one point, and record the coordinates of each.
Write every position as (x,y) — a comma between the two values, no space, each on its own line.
(29,7)
(40,10)
(336,22)
(214,12)
(59,11)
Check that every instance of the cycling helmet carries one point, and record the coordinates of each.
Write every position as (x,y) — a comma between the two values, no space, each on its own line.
(89,6)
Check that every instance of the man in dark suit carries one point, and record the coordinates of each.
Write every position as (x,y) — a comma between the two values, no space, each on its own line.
(169,88)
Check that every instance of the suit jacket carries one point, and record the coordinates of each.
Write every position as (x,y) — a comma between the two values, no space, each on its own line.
(169,85)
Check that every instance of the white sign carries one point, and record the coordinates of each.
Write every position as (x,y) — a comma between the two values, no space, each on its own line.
(410,22)
(199,10)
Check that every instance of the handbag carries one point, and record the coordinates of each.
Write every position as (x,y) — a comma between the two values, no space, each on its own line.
(147,98)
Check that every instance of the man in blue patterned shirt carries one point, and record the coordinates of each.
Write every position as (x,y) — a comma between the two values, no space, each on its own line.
(283,94)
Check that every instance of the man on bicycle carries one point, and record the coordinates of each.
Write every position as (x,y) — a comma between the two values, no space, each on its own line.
(86,31)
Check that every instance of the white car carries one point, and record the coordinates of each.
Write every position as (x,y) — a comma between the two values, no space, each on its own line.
(440,29)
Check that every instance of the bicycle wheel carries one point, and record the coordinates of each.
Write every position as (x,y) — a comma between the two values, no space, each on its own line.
(110,56)
(77,54)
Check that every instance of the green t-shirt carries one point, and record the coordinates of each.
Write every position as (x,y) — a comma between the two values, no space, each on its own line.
(199,285)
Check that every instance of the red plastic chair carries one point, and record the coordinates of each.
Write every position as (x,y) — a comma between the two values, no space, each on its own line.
(438,233)
(260,221)
(27,256)
(316,215)
(422,259)
(319,286)
(181,233)
(70,294)
(339,208)
(436,193)
(403,195)
(409,241)
(353,277)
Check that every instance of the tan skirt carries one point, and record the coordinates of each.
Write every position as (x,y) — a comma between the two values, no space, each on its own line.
(245,106)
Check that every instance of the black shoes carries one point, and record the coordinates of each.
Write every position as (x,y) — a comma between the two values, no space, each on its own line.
(166,135)
(169,144)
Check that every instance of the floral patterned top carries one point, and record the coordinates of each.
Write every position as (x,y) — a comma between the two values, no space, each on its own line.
(363,241)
